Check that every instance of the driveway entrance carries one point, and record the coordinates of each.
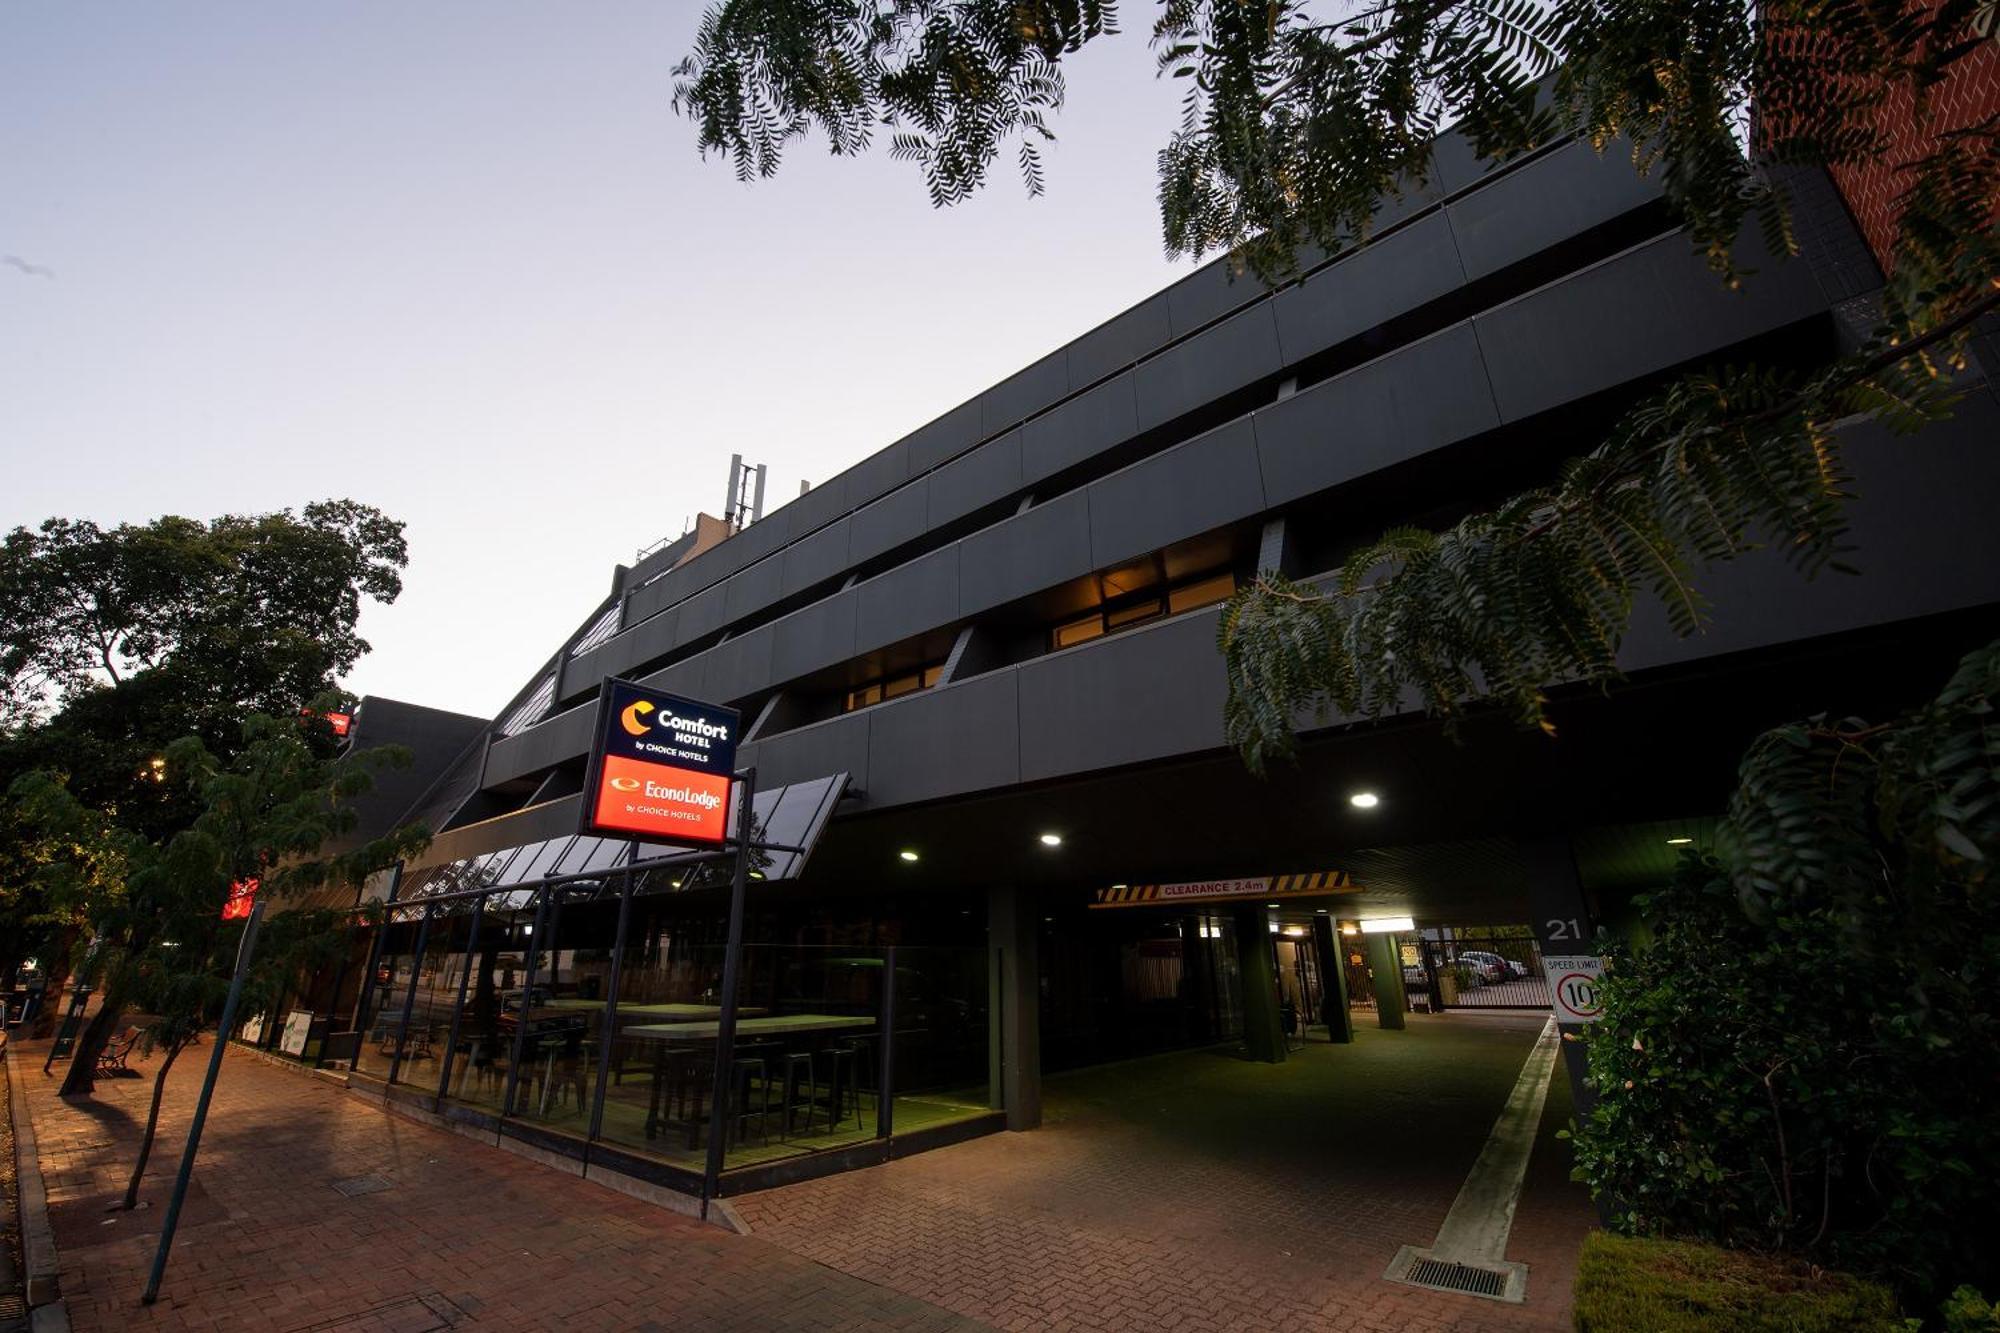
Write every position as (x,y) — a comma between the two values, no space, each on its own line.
(1200,1191)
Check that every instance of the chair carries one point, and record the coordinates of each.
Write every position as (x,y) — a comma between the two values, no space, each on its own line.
(111,1060)
(742,1069)
(840,1086)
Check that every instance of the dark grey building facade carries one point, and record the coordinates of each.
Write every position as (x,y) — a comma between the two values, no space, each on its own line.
(992,645)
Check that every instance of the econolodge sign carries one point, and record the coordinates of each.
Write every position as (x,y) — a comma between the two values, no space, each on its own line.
(660,767)
(1574,990)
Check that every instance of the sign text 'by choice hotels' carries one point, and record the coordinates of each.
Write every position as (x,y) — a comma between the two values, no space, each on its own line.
(660,768)
(1574,990)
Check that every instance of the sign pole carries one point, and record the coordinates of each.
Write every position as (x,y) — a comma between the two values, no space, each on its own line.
(732,964)
(244,949)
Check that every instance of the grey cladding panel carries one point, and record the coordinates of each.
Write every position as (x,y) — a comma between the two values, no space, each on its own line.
(900,516)
(875,474)
(988,473)
(618,655)
(1235,353)
(1641,312)
(753,589)
(760,538)
(1119,342)
(1208,294)
(944,438)
(1544,203)
(1384,278)
(688,678)
(1020,395)
(1036,550)
(1085,425)
(1408,403)
(818,636)
(836,746)
(1211,480)
(814,559)
(944,742)
(700,615)
(741,666)
(663,592)
(907,600)
(1145,694)
(818,505)
(564,736)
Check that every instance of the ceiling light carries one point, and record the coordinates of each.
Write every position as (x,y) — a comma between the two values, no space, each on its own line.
(907,854)
(1321,912)
(1350,929)
(1274,927)
(1679,842)
(1295,930)
(1117,886)
(1052,840)
(1273,905)
(1385,925)
(1364,800)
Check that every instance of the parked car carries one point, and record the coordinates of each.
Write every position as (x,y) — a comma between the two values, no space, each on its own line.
(1414,975)
(1488,967)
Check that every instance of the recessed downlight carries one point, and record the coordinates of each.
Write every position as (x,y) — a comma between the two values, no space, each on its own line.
(907,854)
(1679,842)
(1052,840)
(1363,800)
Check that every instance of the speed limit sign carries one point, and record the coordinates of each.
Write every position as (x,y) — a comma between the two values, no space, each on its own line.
(1575,992)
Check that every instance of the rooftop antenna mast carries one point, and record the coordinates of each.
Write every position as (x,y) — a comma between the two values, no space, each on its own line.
(745,502)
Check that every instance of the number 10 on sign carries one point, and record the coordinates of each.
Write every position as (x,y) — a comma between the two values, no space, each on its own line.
(1574,990)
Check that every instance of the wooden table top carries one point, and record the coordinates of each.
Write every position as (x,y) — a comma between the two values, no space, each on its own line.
(680,1011)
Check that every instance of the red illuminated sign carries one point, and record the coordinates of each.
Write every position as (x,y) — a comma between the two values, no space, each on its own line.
(340,722)
(242,896)
(660,768)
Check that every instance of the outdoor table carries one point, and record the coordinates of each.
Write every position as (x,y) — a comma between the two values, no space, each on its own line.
(674,1011)
(773,1025)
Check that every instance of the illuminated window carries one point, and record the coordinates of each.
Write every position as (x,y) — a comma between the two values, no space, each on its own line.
(1077,631)
(893,687)
(1202,592)
(1121,611)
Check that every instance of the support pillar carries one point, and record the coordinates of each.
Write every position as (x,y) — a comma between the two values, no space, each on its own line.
(1560,916)
(1014,1012)
(1387,973)
(1333,981)
(1263,1026)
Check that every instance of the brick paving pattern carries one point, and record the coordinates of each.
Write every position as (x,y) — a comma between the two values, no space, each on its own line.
(1199,1192)
(466,1235)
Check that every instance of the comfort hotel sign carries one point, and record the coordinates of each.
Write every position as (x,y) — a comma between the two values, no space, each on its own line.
(660,767)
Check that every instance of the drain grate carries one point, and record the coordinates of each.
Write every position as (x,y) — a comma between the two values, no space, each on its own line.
(1502,1281)
(1442,1276)
(362,1185)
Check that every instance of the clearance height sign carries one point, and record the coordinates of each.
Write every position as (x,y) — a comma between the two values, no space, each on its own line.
(660,767)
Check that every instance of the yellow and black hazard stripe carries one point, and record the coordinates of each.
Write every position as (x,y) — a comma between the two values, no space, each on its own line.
(1138,895)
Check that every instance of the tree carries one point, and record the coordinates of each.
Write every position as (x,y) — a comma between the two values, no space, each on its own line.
(116,642)
(264,816)
(1802,1057)
(1300,117)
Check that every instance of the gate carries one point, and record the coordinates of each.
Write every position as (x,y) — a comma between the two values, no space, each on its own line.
(1481,967)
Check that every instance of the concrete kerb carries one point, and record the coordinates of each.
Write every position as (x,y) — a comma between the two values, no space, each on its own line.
(720,1212)
(43,1271)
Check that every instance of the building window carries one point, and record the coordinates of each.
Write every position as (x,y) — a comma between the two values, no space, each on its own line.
(1130,598)
(892,687)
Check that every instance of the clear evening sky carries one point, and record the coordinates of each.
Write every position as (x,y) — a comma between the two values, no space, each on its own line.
(462,262)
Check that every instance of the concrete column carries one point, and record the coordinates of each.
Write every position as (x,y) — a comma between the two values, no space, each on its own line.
(1560,916)
(1333,981)
(1388,978)
(1263,1027)
(1014,1015)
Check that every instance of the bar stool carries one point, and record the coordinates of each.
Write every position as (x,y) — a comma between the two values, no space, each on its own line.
(741,1069)
(798,1069)
(840,1083)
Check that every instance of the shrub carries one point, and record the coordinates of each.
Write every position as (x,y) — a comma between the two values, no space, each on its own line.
(1624,1285)
(1802,1059)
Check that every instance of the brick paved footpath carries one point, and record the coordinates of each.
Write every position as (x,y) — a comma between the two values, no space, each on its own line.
(466,1235)
(1197,1191)
(1188,1192)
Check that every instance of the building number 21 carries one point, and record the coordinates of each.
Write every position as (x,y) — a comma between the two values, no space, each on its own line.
(1559,929)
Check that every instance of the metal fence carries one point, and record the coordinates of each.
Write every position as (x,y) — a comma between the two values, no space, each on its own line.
(1486,968)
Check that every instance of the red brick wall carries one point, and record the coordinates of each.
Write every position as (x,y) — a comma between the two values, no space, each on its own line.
(1968,95)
